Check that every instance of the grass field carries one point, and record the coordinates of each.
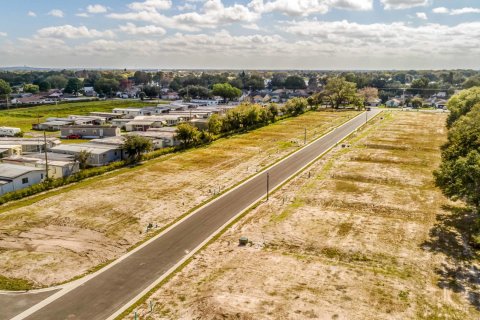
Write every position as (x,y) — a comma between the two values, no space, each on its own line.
(56,236)
(23,118)
(362,234)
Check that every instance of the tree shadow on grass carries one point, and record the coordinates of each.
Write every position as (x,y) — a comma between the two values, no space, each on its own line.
(452,236)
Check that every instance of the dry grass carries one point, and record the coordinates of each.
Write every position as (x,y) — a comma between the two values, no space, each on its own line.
(67,234)
(358,240)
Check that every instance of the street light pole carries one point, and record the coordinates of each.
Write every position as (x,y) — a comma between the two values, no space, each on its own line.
(268,185)
(305,137)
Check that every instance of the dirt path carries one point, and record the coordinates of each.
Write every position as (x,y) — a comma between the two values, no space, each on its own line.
(65,235)
(363,235)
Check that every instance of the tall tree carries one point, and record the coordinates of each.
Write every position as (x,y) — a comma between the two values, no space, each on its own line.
(462,103)
(106,86)
(295,83)
(135,146)
(74,85)
(187,134)
(5,89)
(226,91)
(339,92)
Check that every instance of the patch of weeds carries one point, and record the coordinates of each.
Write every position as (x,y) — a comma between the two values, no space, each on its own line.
(15,284)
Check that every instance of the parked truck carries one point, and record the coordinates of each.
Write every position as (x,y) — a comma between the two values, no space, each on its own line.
(9,131)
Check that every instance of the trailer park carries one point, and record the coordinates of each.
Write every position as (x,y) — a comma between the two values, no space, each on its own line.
(57,142)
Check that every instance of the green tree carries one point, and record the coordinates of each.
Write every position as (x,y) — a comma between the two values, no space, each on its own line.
(226,91)
(340,92)
(214,124)
(135,146)
(460,104)
(5,89)
(296,106)
(459,173)
(31,88)
(106,86)
(273,112)
(416,102)
(82,158)
(142,77)
(44,86)
(57,81)
(187,134)
(74,85)
(295,83)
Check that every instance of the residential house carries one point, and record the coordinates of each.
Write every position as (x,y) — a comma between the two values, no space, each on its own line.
(31,144)
(59,166)
(89,132)
(127,112)
(10,150)
(100,154)
(393,103)
(16,177)
(53,125)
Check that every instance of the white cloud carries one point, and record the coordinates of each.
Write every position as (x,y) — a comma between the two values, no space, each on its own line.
(454,12)
(440,10)
(213,14)
(404,4)
(31,14)
(3,34)
(71,32)
(307,7)
(132,29)
(96,8)
(150,5)
(394,38)
(187,6)
(421,15)
(56,13)
(83,15)
(464,11)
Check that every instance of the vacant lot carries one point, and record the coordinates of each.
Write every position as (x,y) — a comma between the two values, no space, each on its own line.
(363,234)
(67,233)
(23,118)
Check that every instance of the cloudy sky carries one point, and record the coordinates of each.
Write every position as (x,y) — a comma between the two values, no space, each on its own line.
(241,34)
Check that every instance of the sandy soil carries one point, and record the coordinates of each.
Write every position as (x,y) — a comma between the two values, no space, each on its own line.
(367,236)
(66,235)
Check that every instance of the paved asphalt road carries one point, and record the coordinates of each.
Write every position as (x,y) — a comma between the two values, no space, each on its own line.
(106,293)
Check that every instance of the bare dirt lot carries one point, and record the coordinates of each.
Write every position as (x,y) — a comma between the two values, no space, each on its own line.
(68,233)
(362,234)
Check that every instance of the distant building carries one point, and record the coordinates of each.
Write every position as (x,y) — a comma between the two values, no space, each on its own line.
(30,144)
(16,177)
(9,131)
(127,112)
(89,132)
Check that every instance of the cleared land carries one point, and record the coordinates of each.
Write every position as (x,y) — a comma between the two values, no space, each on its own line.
(363,234)
(23,118)
(66,234)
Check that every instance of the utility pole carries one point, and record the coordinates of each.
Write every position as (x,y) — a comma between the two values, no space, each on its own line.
(46,157)
(268,185)
(305,137)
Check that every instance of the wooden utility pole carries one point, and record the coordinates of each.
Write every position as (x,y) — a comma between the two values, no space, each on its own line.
(45,151)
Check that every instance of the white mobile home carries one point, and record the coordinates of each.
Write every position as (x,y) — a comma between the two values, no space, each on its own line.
(9,131)
(15,177)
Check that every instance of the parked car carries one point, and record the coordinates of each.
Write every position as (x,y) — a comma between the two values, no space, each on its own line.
(74,136)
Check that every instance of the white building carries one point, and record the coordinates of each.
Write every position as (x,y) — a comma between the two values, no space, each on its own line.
(16,177)
(128,112)
(9,131)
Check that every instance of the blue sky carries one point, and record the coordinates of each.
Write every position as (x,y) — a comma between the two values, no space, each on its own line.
(242,34)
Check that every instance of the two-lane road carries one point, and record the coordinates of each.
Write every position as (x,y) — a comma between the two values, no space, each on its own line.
(109,291)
